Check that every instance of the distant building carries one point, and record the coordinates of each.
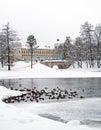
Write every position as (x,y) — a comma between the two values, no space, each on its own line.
(38,54)
(23,53)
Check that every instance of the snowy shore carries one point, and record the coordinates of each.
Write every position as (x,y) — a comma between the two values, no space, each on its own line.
(26,116)
(23,70)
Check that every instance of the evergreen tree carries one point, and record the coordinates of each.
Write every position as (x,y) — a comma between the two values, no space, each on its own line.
(8,37)
(31,40)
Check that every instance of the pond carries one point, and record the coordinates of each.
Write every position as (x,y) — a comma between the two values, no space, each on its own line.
(88,87)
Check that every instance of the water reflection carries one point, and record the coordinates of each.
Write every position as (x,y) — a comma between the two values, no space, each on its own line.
(89,87)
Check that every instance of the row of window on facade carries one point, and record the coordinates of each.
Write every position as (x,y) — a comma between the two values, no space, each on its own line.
(37,52)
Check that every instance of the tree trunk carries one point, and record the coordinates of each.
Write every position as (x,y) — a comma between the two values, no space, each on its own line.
(31,57)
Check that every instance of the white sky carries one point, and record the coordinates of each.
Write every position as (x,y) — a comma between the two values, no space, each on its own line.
(48,20)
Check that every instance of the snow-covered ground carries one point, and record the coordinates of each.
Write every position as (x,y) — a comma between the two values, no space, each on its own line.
(29,116)
(25,116)
(23,70)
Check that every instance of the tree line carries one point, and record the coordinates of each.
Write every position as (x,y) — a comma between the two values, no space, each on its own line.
(85,48)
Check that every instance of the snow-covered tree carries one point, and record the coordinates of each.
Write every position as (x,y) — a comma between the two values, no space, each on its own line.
(68,50)
(87,34)
(65,50)
(31,40)
(58,52)
(98,44)
(2,49)
(8,37)
(79,51)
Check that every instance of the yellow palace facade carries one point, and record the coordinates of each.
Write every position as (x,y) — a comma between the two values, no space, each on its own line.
(38,54)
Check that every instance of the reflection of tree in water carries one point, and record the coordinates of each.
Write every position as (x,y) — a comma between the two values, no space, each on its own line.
(91,86)
(20,85)
(8,83)
(2,82)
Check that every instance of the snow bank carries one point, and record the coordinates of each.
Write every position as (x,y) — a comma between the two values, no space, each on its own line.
(4,92)
(23,70)
(18,118)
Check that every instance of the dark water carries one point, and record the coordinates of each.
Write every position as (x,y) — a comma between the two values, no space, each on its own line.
(88,87)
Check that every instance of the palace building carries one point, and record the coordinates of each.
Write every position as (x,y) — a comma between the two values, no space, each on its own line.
(38,54)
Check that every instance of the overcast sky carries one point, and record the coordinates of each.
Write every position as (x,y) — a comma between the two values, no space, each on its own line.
(49,20)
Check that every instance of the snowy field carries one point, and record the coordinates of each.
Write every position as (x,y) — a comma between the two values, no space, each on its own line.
(23,70)
(35,116)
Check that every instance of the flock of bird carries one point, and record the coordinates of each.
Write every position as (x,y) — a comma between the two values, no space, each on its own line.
(43,94)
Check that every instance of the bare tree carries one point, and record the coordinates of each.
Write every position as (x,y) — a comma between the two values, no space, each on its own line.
(68,50)
(65,51)
(98,42)
(87,36)
(58,52)
(79,51)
